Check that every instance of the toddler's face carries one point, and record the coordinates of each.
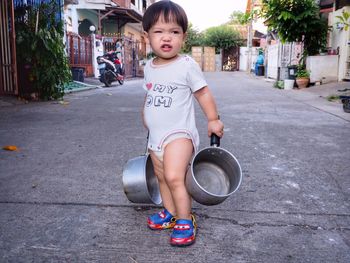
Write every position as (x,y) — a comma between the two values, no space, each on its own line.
(166,40)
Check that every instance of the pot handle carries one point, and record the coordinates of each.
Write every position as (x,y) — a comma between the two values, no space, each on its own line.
(214,140)
(146,151)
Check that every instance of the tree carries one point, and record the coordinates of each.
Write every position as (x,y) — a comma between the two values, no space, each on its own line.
(194,38)
(222,37)
(237,17)
(297,21)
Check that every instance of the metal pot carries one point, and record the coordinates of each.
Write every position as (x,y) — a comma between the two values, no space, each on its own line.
(214,175)
(139,181)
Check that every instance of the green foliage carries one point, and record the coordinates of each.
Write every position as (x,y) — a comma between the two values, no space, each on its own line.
(222,37)
(333,97)
(302,72)
(39,43)
(315,40)
(245,18)
(238,17)
(194,38)
(279,84)
(296,21)
(151,55)
(344,19)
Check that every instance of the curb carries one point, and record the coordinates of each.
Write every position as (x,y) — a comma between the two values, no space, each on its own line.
(83,87)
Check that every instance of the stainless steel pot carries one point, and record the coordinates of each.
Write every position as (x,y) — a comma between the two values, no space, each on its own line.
(214,174)
(139,181)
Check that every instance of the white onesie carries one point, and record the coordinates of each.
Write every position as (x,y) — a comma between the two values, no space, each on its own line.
(169,106)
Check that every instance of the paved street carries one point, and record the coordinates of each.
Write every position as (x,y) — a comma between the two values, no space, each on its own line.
(62,200)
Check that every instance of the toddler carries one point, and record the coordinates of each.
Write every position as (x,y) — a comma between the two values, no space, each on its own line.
(171,81)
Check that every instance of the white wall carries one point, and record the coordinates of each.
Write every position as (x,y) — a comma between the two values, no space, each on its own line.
(244,56)
(74,14)
(97,51)
(323,68)
(134,29)
(272,61)
(339,39)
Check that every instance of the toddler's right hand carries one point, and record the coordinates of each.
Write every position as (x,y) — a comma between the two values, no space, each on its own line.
(217,127)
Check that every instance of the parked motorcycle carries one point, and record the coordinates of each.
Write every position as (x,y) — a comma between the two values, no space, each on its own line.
(111,68)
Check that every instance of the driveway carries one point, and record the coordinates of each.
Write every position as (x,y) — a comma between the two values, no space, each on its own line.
(62,200)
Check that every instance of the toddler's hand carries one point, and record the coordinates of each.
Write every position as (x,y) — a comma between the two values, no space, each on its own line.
(217,127)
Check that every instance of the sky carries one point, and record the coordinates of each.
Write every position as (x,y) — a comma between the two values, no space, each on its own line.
(204,14)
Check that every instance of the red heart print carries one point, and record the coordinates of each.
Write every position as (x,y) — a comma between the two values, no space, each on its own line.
(149,86)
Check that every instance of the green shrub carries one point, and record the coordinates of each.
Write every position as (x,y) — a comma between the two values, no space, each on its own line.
(39,44)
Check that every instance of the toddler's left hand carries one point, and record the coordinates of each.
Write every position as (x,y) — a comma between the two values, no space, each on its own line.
(216,127)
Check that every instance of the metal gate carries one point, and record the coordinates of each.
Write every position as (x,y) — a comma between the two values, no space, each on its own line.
(80,52)
(230,59)
(131,51)
(291,53)
(280,57)
(8,69)
(131,57)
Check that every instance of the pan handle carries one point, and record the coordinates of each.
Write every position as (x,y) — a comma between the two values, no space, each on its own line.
(214,140)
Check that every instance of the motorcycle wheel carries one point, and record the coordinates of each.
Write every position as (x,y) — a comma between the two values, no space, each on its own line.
(107,81)
(121,81)
(122,72)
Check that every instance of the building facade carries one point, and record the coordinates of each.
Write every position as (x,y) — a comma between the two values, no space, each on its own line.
(113,25)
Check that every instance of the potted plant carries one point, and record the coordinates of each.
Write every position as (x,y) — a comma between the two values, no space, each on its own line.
(302,76)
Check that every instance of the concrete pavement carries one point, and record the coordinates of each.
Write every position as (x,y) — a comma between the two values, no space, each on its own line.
(61,195)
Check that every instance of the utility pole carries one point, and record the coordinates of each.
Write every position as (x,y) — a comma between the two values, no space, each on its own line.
(250,38)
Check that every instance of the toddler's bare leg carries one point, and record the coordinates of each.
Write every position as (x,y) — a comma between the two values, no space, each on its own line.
(165,193)
(177,156)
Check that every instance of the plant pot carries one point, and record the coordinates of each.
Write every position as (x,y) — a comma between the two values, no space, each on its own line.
(288,84)
(346,103)
(302,82)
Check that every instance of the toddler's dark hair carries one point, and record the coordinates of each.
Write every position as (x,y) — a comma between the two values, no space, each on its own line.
(168,10)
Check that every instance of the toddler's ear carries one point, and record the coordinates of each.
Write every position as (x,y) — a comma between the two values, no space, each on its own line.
(145,35)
